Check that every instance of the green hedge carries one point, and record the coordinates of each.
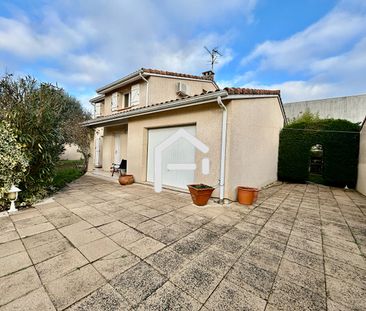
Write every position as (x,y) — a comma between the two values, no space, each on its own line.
(340,141)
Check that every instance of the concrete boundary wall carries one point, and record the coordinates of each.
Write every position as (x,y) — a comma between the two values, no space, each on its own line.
(351,108)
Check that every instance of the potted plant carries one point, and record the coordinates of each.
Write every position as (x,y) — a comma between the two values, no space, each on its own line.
(125,179)
(247,195)
(200,193)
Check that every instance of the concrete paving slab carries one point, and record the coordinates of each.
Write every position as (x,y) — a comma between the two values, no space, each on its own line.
(346,294)
(60,265)
(103,299)
(14,262)
(292,297)
(42,238)
(127,237)
(34,229)
(11,247)
(230,297)
(166,261)
(31,221)
(6,225)
(82,237)
(115,263)
(34,301)
(9,236)
(197,280)
(149,226)
(169,297)
(303,276)
(17,284)
(137,283)
(304,258)
(112,228)
(46,251)
(145,247)
(252,278)
(226,257)
(98,248)
(345,272)
(74,286)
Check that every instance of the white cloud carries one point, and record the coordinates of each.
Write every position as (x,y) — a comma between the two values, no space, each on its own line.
(49,39)
(326,37)
(329,55)
(81,69)
(94,42)
(298,90)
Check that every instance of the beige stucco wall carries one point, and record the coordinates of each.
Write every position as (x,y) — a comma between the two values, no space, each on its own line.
(106,110)
(207,119)
(164,88)
(253,138)
(160,89)
(108,144)
(361,180)
(252,141)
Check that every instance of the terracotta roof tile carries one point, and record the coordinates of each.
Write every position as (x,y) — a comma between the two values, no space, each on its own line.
(176,74)
(246,91)
(230,91)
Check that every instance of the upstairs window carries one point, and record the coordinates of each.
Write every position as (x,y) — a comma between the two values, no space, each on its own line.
(135,94)
(114,102)
(97,109)
(126,100)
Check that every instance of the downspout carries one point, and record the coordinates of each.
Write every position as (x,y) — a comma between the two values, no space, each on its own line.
(223,149)
(147,89)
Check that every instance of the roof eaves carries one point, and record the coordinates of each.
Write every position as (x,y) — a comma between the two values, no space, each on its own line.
(97,99)
(248,91)
(168,105)
(116,83)
(149,71)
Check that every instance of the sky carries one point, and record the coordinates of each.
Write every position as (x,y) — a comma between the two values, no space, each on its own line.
(308,49)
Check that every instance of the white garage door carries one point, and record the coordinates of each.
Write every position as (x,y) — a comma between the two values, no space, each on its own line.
(180,152)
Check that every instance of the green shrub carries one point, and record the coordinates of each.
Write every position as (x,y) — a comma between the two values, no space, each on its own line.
(340,141)
(66,172)
(44,118)
(13,161)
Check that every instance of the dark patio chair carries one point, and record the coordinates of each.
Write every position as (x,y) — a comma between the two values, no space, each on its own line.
(121,168)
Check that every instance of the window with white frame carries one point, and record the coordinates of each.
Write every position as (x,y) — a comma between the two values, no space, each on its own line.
(97,109)
(135,94)
(114,102)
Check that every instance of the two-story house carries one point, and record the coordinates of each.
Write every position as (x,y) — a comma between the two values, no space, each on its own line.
(239,126)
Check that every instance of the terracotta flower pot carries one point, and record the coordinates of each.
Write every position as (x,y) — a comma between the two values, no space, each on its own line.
(126,180)
(200,193)
(247,195)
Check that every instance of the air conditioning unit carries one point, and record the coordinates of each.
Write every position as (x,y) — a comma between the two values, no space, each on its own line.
(182,89)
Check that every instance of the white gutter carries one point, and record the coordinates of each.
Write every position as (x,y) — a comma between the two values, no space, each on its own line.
(223,149)
(147,89)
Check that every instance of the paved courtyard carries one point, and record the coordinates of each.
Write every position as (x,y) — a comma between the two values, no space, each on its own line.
(100,246)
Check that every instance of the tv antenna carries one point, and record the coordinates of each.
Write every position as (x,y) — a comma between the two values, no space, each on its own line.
(214,53)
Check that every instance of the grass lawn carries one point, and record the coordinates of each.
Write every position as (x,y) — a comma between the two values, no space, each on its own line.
(66,172)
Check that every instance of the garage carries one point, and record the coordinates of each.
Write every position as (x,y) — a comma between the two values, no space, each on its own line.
(179,152)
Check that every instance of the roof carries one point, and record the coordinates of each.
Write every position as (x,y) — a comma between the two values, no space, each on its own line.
(97,99)
(181,102)
(174,74)
(247,91)
(148,72)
